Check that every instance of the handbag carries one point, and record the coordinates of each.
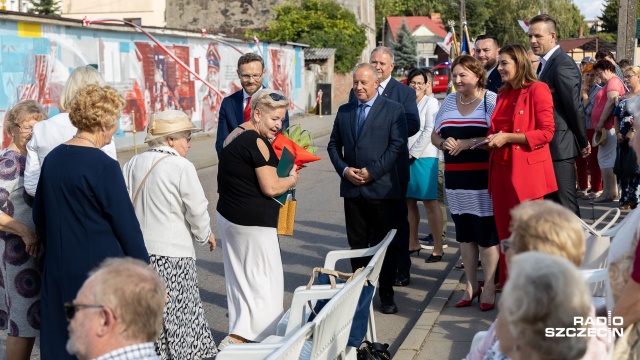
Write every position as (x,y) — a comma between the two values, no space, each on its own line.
(361,317)
(373,351)
(287,215)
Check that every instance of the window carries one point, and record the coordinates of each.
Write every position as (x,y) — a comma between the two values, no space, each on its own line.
(136,21)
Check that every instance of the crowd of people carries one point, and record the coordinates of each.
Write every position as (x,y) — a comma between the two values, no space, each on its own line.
(99,262)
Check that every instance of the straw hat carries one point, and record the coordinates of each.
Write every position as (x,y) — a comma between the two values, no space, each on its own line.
(599,138)
(168,122)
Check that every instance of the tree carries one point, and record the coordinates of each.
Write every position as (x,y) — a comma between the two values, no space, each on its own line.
(405,49)
(609,19)
(319,23)
(46,7)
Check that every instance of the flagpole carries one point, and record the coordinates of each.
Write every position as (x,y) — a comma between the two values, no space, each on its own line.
(466,32)
(455,43)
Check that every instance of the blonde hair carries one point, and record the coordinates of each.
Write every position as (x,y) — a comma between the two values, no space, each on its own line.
(96,106)
(23,111)
(262,100)
(549,228)
(79,77)
(634,69)
(545,291)
(135,293)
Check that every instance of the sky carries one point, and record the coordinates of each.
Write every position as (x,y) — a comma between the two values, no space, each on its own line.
(589,8)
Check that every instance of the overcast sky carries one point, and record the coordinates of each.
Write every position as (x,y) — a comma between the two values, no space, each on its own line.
(590,8)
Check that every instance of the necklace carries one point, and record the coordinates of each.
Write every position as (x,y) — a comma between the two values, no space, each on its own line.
(474,99)
(87,139)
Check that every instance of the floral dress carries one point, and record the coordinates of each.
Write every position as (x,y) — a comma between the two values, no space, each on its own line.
(626,163)
(20,273)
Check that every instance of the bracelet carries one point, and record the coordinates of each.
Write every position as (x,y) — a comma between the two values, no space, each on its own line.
(295,182)
(474,140)
(441,143)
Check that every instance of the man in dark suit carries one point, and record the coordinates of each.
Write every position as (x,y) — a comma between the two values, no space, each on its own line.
(487,48)
(234,109)
(369,136)
(383,60)
(561,73)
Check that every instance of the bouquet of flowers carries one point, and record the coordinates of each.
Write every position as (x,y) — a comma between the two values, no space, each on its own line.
(298,141)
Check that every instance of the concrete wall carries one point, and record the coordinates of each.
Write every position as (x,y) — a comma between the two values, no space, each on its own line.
(38,54)
(150,12)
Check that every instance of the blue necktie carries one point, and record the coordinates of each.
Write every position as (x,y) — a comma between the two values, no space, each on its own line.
(361,118)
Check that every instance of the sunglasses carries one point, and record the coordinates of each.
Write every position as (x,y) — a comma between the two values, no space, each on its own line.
(70,309)
(505,245)
(277,97)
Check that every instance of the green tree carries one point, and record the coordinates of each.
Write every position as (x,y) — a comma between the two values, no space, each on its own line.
(405,49)
(319,23)
(46,7)
(609,18)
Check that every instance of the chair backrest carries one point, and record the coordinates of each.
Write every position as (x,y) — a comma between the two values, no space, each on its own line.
(597,243)
(333,322)
(292,346)
(604,300)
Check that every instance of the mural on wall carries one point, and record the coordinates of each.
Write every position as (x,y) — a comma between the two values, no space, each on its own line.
(36,60)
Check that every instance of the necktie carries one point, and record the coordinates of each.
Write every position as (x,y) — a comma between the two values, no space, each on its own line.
(247,110)
(361,118)
(539,69)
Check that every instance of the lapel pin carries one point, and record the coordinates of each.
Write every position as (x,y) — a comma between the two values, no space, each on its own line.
(521,112)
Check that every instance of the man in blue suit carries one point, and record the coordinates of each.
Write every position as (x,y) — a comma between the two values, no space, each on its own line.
(383,60)
(369,137)
(487,48)
(234,109)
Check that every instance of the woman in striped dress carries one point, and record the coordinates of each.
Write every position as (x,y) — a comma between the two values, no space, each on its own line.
(461,123)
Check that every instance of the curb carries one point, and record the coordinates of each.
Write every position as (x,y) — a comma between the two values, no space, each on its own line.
(417,337)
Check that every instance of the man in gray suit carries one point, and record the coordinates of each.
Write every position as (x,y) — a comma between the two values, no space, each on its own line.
(561,73)
(369,136)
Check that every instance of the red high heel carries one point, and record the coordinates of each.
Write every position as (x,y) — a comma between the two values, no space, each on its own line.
(467,303)
(488,306)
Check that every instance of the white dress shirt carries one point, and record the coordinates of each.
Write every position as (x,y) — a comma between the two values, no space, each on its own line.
(172,207)
(544,59)
(420,145)
(47,135)
(383,85)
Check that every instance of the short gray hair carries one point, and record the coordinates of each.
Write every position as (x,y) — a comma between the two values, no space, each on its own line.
(263,100)
(135,293)
(376,76)
(385,50)
(164,140)
(545,291)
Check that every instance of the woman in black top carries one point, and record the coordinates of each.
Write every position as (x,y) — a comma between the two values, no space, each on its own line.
(248,218)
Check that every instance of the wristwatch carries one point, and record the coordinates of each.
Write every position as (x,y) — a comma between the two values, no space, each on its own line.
(474,140)
(441,143)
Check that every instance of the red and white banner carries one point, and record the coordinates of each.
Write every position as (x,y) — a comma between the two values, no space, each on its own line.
(448,40)
(524,25)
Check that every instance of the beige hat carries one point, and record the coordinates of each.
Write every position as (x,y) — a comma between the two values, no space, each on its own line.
(599,138)
(168,122)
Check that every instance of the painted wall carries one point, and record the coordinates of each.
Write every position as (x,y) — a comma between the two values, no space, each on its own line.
(37,57)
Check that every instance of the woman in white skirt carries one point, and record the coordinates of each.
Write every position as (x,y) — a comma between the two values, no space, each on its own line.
(172,210)
(248,218)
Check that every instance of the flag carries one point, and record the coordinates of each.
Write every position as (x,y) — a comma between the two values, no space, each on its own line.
(524,25)
(464,45)
(448,40)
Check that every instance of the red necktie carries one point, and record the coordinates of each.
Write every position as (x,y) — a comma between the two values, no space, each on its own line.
(247,110)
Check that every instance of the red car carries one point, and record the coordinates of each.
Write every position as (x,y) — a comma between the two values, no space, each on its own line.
(441,77)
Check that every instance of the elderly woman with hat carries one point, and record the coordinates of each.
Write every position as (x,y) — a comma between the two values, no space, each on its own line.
(248,218)
(82,213)
(172,209)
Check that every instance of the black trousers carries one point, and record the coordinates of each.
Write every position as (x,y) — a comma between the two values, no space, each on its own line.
(367,222)
(566,179)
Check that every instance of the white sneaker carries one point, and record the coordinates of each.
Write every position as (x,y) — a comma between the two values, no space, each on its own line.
(593,195)
(226,341)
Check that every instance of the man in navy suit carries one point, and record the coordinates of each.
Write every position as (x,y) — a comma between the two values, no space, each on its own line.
(561,73)
(487,48)
(368,139)
(234,109)
(383,60)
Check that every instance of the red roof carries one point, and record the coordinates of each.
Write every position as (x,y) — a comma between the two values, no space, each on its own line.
(414,22)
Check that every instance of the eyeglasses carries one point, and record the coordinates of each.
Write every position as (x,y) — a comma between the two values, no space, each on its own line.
(277,97)
(505,245)
(25,129)
(188,137)
(413,83)
(248,77)
(70,309)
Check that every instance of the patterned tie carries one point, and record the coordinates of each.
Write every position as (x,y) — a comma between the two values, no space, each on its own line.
(361,118)
(247,110)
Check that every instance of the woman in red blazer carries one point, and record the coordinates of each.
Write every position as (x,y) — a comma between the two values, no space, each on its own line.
(521,127)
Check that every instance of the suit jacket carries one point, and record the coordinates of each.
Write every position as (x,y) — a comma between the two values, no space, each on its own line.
(563,77)
(494,80)
(232,115)
(382,141)
(532,168)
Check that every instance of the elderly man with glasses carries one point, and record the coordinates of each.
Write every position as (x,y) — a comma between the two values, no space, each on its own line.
(117,313)
(235,109)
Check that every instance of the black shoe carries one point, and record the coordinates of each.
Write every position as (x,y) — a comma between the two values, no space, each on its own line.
(402,279)
(433,258)
(388,307)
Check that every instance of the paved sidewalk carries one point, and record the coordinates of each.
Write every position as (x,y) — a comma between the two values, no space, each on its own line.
(203,151)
